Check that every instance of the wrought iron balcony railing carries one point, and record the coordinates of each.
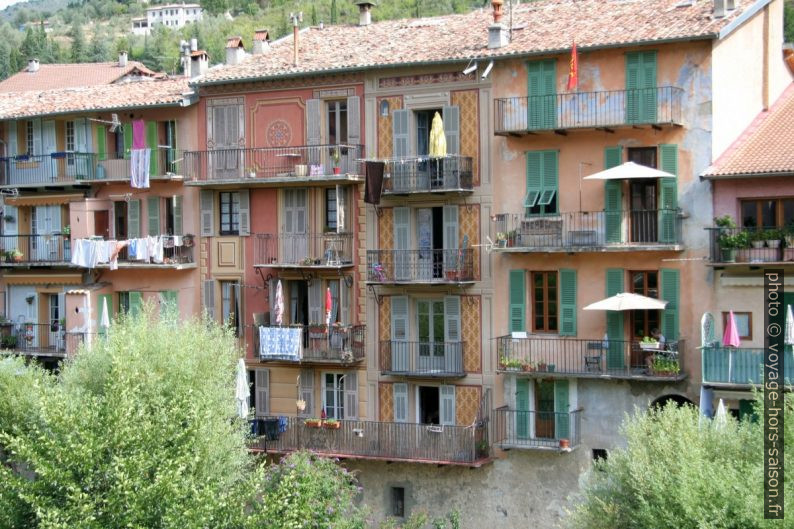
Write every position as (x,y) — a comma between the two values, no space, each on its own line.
(588,230)
(422,359)
(421,266)
(260,164)
(329,249)
(35,249)
(542,430)
(38,339)
(750,245)
(451,173)
(335,344)
(578,110)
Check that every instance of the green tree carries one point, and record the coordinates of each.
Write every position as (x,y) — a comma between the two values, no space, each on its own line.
(334,13)
(681,471)
(314,15)
(78,51)
(788,21)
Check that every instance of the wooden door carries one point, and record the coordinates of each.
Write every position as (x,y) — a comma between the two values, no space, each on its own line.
(102,224)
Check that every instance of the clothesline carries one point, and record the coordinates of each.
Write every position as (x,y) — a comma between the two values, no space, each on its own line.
(88,253)
(404,159)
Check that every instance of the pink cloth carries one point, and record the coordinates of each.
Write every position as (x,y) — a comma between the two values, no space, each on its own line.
(731,336)
(138,134)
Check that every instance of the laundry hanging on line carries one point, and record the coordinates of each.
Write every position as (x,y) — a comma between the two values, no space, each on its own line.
(88,253)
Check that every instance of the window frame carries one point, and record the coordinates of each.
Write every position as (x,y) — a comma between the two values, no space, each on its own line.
(233,221)
(226,303)
(546,327)
(749,316)
(29,137)
(338,390)
(331,214)
(779,203)
(645,292)
(70,138)
(334,110)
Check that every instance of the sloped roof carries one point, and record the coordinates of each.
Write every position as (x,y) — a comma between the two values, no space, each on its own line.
(135,94)
(544,26)
(51,76)
(766,147)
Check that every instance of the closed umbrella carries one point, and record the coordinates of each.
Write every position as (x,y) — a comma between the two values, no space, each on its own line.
(438,140)
(104,320)
(242,393)
(627,301)
(789,338)
(329,302)
(627,171)
(278,308)
(730,338)
(721,417)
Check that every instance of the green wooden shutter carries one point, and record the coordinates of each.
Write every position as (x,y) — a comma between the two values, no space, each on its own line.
(568,302)
(534,179)
(153,214)
(615,357)
(101,142)
(668,194)
(670,281)
(522,408)
(177,214)
(549,182)
(151,142)
(518,307)
(100,307)
(613,197)
(169,301)
(641,91)
(127,140)
(542,90)
(134,219)
(136,303)
(562,426)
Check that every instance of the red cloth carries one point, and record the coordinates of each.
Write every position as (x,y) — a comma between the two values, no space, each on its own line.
(138,134)
(573,74)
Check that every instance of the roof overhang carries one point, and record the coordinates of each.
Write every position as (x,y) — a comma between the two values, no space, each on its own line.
(44,278)
(737,176)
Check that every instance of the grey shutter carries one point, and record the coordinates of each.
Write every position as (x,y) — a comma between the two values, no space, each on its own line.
(208,287)
(353,120)
(177,214)
(399,318)
(245,213)
(402,241)
(314,122)
(48,136)
(400,398)
(316,303)
(153,214)
(451,119)
(307,391)
(341,208)
(271,294)
(450,239)
(36,148)
(400,142)
(452,319)
(11,135)
(82,136)
(262,393)
(207,204)
(351,395)
(344,302)
(134,219)
(447,405)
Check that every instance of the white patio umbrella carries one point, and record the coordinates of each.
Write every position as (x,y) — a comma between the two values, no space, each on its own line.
(629,170)
(278,309)
(721,417)
(241,392)
(104,320)
(627,301)
(789,337)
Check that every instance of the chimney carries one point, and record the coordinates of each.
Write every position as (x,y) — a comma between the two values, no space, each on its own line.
(730,5)
(199,63)
(296,20)
(234,50)
(193,44)
(122,59)
(719,8)
(497,10)
(261,41)
(365,12)
(497,32)
(33,65)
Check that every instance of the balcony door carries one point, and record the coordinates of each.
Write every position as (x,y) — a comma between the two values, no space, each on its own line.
(643,199)
(430,326)
(46,230)
(226,138)
(55,306)
(295,243)
(435,405)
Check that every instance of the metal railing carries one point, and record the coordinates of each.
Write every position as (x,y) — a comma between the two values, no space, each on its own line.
(320,343)
(26,249)
(162,162)
(34,338)
(602,109)
(590,357)
(423,266)
(436,359)
(750,245)
(588,229)
(379,440)
(426,175)
(55,168)
(261,163)
(536,429)
(304,249)
(740,365)
(177,250)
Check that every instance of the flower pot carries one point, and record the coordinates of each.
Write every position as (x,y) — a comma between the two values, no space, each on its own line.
(773,243)
(728,255)
(313,423)
(332,425)
(565,444)
(17,258)
(551,368)
(337,170)
(501,243)
(757,244)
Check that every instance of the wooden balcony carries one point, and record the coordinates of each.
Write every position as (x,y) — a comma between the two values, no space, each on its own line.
(536,430)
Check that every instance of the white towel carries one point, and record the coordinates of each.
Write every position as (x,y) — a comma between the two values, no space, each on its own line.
(139,168)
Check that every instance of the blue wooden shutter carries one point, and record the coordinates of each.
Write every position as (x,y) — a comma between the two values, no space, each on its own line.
(518,307)
(670,281)
(614,285)
(613,197)
(568,302)
(668,194)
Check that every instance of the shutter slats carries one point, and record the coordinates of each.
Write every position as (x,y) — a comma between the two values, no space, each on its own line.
(207,212)
(262,392)
(568,302)
(314,121)
(518,314)
(153,214)
(101,143)
(614,285)
(354,120)
(208,286)
(307,391)
(400,398)
(245,212)
(668,193)
(670,281)
(447,398)
(316,305)
(451,120)
(134,219)
(351,395)
(177,214)
(562,427)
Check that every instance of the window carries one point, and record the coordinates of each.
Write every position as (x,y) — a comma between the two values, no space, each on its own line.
(118,143)
(541,197)
(334,395)
(29,137)
(430,327)
(424,121)
(772,212)
(70,144)
(544,302)
(124,302)
(330,209)
(744,323)
(398,502)
(337,122)
(643,321)
(230,212)
(230,305)
(600,455)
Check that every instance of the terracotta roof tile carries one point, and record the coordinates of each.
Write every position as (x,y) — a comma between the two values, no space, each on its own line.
(539,27)
(72,75)
(765,147)
(164,92)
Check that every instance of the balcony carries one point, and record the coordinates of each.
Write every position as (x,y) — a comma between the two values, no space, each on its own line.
(443,267)
(177,254)
(450,174)
(35,250)
(601,110)
(750,247)
(387,441)
(536,430)
(304,250)
(422,359)
(589,231)
(549,357)
(274,166)
(38,339)
(312,344)
(64,169)
(740,366)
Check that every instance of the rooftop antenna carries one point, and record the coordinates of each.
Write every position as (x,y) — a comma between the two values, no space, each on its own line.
(114,122)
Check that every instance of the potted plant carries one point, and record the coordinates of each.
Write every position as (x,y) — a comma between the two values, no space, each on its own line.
(250,171)
(730,244)
(332,424)
(649,344)
(501,239)
(335,158)
(189,240)
(66,230)
(665,367)
(15,255)
(8,342)
(757,238)
(313,422)
(542,366)
(772,238)
(565,445)
(503,362)
(512,237)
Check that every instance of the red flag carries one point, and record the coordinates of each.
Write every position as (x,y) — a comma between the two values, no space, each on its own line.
(573,74)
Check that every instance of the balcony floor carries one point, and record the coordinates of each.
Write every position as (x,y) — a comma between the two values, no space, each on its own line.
(277,181)
(429,192)
(593,249)
(35,351)
(637,375)
(312,361)
(288,266)
(518,133)
(151,266)
(424,374)
(750,264)
(258,448)
(535,445)
(424,283)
